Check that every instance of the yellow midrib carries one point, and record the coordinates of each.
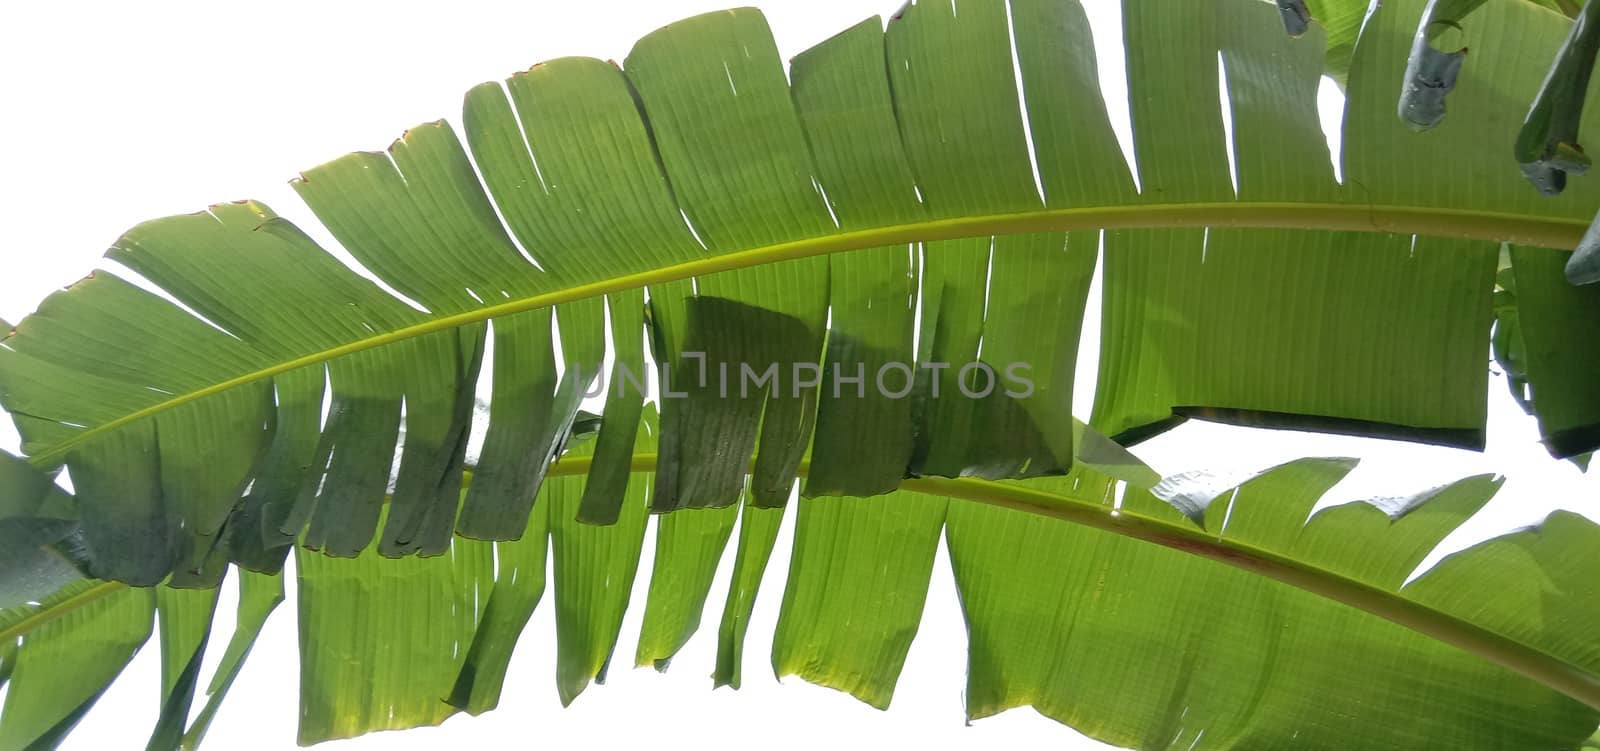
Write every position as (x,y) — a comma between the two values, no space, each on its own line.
(1531,662)
(1523,229)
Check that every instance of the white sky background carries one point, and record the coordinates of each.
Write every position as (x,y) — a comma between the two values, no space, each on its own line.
(121,112)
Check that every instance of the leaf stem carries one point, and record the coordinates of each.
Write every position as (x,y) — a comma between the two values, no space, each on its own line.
(1391,606)
(1530,662)
(60,609)
(1522,229)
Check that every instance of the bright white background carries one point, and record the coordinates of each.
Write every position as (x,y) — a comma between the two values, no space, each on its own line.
(120,112)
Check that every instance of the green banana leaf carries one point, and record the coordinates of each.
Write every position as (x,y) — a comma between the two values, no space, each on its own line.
(1232,615)
(735,206)
(935,191)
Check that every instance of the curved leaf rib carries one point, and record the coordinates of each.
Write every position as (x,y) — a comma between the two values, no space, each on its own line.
(1167,531)
(1549,232)
(1341,554)
(609,209)
(55,609)
(1560,675)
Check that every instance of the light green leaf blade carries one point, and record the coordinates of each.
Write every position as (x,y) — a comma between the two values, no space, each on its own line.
(1137,645)
(689,544)
(64,666)
(379,636)
(859,567)
(593,568)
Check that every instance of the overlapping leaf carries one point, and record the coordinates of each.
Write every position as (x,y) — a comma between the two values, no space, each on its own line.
(1078,620)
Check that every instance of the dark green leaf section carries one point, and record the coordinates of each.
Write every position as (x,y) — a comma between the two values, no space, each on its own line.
(858,576)
(1431,71)
(1342,22)
(438,414)
(28,492)
(1555,323)
(1122,640)
(1547,146)
(205,260)
(148,507)
(719,404)
(342,508)
(63,667)
(1507,345)
(41,545)
(729,138)
(120,492)
(260,530)
(524,428)
(995,399)
(864,432)
(606,487)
